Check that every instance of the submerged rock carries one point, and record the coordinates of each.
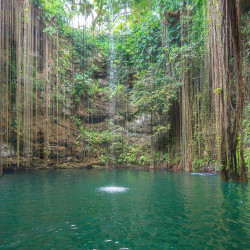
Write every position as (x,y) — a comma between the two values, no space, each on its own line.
(89,167)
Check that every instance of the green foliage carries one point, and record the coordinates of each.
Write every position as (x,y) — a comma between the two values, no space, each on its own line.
(218,91)
(50,30)
(135,155)
(54,10)
(93,87)
(197,165)
(77,91)
(96,137)
(155,91)
(247,158)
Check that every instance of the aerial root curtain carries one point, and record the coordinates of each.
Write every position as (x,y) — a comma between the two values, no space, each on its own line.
(24,64)
(226,69)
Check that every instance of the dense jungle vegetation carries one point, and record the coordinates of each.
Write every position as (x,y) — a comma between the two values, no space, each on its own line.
(126,83)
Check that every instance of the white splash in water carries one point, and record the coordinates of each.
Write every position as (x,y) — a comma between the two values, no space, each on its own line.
(108,240)
(113,189)
(203,174)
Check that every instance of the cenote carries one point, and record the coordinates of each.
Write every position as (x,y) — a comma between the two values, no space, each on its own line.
(122,209)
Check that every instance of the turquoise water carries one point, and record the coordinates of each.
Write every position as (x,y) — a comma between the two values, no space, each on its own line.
(77,209)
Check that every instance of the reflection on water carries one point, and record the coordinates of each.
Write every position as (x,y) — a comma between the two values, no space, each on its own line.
(79,209)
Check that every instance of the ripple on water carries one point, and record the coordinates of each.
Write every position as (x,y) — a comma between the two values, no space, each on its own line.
(113,189)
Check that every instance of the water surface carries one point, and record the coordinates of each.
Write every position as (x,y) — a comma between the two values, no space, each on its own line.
(122,209)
